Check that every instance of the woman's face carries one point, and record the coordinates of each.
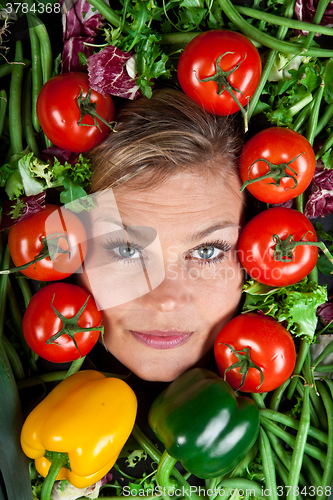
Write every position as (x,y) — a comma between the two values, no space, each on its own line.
(167,275)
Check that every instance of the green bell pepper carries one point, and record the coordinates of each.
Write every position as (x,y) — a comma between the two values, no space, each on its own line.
(203,424)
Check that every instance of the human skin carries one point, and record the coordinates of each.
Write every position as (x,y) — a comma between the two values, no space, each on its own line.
(172,327)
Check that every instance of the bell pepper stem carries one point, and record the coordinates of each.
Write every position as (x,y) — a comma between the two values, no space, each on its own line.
(58,461)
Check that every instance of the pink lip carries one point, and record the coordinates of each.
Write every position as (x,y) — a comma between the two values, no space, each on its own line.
(162,339)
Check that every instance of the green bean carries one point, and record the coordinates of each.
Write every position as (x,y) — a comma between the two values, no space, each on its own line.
(310,133)
(293,424)
(3,108)
(4,280)
(283,21)
(14,105)
(14,359)
(283,472)
(16,317)
(27,116)
(301,356)
(277,395)
(320,10)
(37,77)
(312,451)
(324,368)
(281,33)
(313,415)
(267,40)
(316,401)
(300,443)
(258,400)
(312,471)
(302,117)
(6,69)
(328,143)
(45,48)
(328,467)
(326,117)
(268,464)
(25,289)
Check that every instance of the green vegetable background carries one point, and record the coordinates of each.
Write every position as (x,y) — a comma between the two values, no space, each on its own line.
(290,455)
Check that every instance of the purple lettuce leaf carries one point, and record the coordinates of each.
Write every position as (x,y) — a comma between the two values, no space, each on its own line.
(80,24)
(320,202)
(62,155)
(305,11)
(18,210)
(325,311)
(108,73)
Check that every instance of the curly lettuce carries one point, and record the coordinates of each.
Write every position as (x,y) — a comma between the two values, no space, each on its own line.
(295,305)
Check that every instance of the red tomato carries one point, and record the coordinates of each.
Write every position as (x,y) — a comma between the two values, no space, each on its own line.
(256,246)
(58,113)
(25,243)
(271,348)
(278,146)
(40,322)
(198,62)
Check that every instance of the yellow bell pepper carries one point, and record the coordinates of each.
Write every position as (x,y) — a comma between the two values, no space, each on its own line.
(88,417)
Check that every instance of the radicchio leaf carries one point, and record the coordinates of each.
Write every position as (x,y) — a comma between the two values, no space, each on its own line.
(26,206)
(81,23)
(305,11)
(61,154)
(108,73)
(320,202)
(325,311)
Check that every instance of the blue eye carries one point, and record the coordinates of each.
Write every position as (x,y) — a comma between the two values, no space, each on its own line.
(210,253)
(123,251)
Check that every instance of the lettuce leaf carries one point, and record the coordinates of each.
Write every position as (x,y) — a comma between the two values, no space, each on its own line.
(295,305)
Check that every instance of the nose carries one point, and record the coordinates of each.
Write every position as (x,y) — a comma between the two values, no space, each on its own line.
(170,295)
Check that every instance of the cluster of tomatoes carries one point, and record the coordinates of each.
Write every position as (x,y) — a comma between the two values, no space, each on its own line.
(62,321)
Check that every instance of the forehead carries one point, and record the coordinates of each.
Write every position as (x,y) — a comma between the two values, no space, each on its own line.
(184,199)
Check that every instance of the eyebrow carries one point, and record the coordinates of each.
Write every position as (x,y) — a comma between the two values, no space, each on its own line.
(209,230)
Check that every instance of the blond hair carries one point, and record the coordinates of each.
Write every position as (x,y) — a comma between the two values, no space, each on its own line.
(159,137)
